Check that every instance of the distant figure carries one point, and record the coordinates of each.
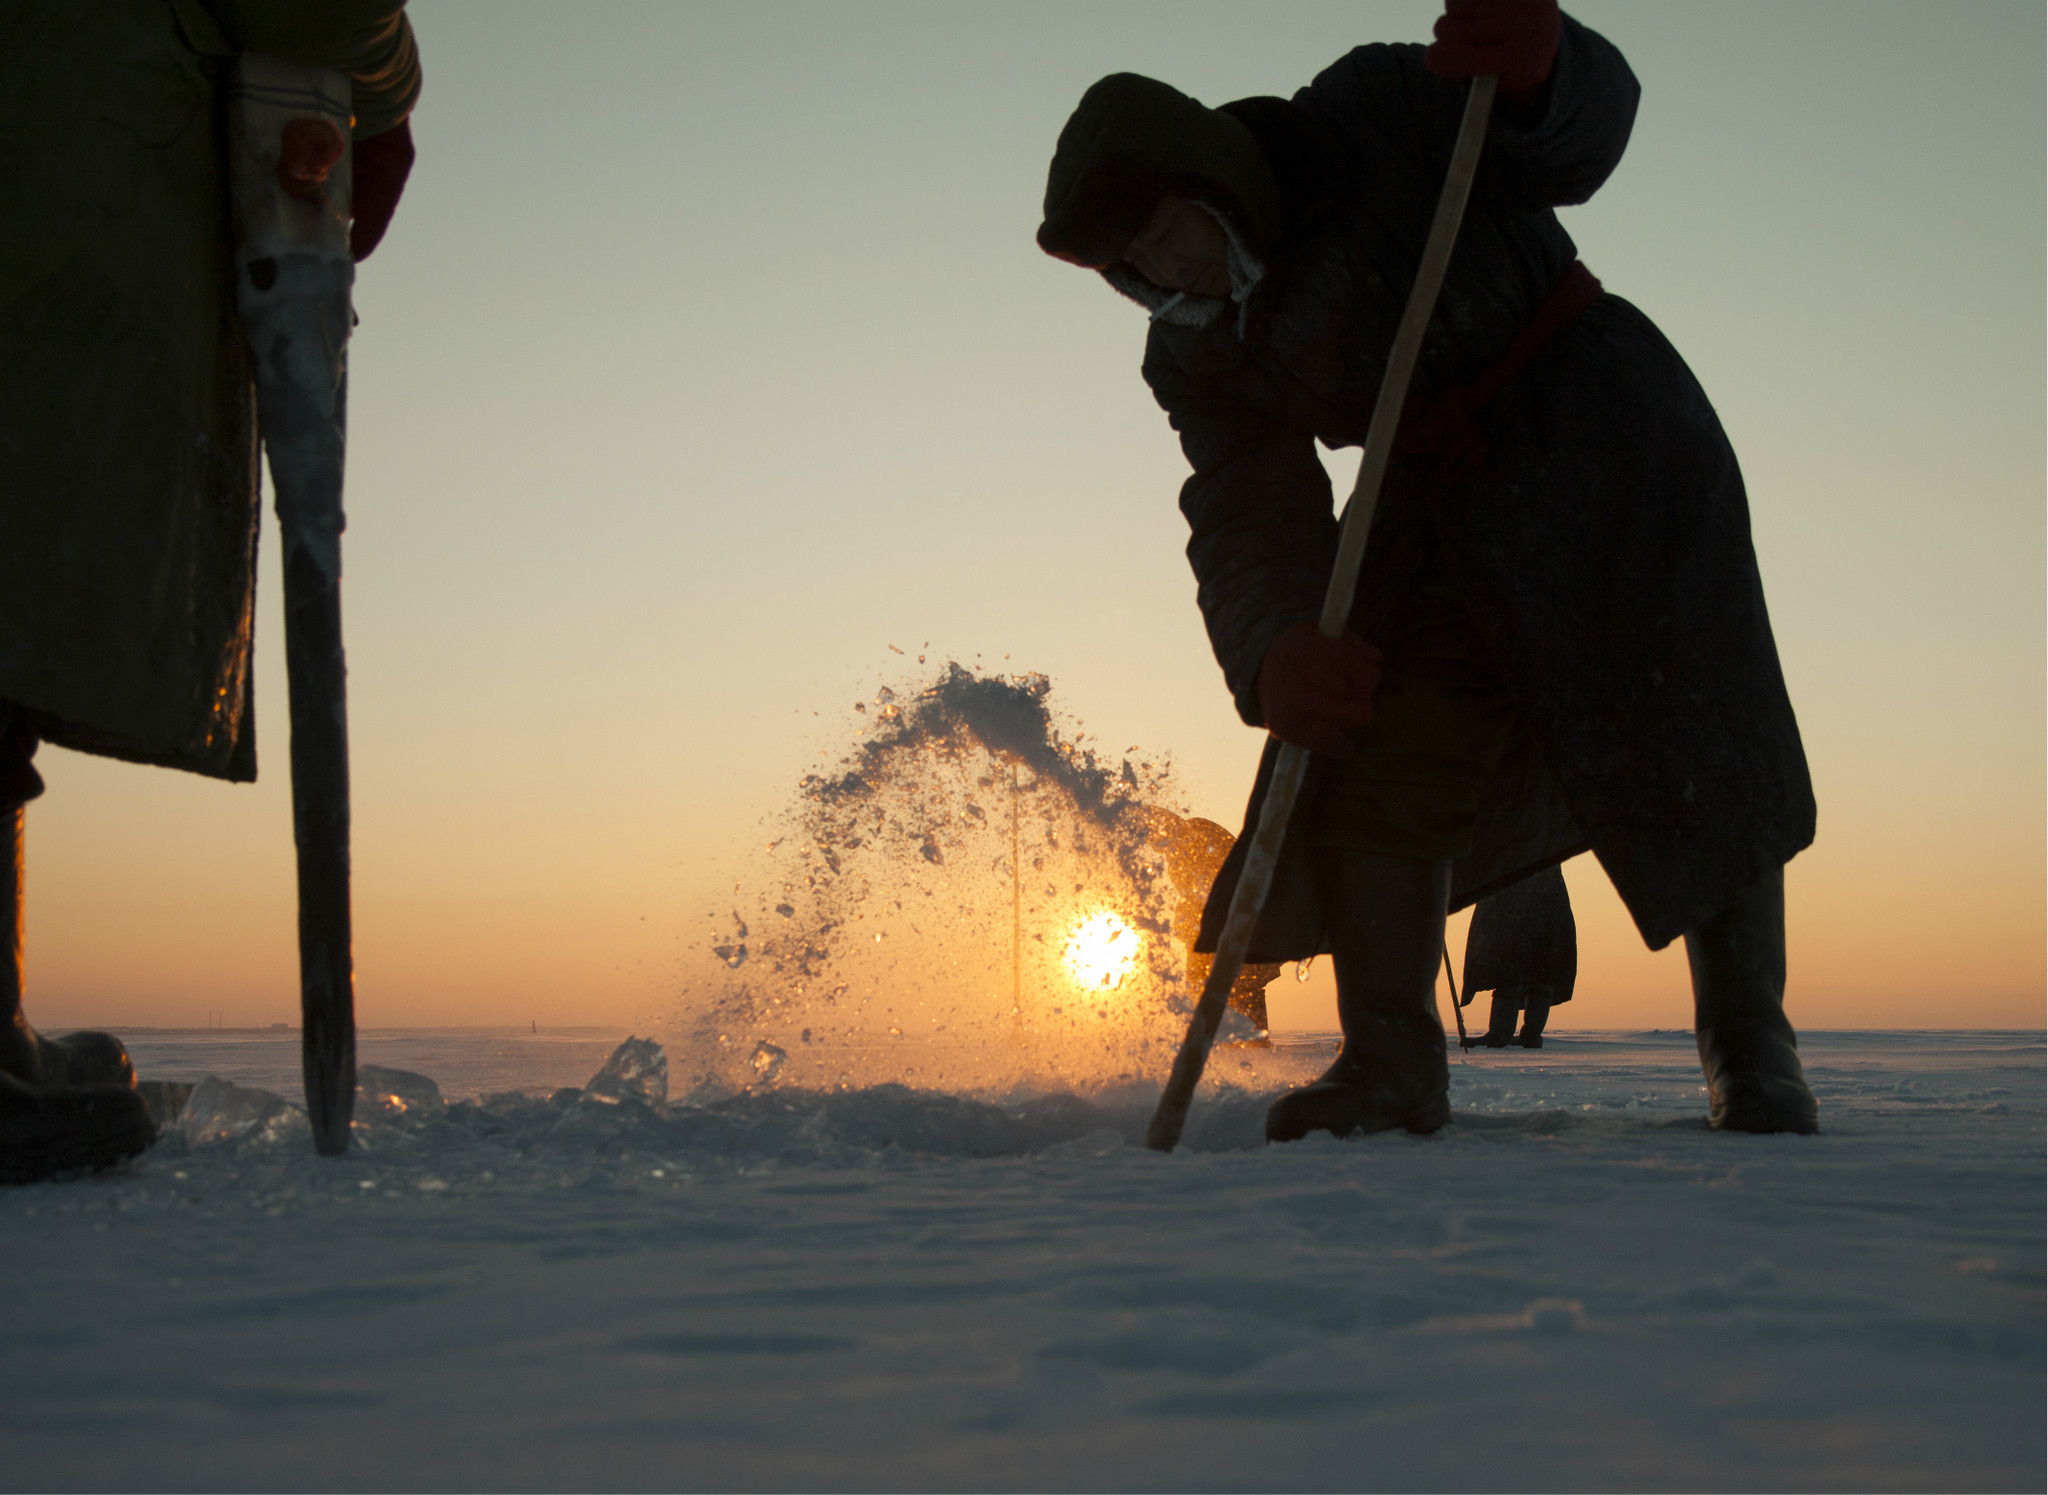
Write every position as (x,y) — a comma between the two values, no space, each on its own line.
(1524,948)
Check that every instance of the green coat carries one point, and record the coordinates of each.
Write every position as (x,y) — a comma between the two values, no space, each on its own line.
(128,484)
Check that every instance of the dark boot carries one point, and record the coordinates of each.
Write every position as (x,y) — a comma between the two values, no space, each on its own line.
(80,1058)
(1500,1024)
(46,1130)
(1755,1082)
(1535,1013)
(1386,920)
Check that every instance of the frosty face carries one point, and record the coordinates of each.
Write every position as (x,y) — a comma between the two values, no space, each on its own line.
(1182,249)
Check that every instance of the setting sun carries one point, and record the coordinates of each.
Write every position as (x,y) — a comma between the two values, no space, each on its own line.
(1101,951)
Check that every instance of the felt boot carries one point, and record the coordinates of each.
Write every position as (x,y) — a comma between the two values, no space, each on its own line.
(1755,1082)
(1500,1024)
(47,1130)
(80,1058)
(1386,918)
(1535,1013)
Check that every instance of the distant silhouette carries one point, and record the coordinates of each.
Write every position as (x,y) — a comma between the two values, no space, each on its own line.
(1524,948)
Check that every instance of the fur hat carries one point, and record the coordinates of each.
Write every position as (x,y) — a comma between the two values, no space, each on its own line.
(1134,140)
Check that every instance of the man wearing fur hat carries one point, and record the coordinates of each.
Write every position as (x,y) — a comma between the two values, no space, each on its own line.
(1560,641)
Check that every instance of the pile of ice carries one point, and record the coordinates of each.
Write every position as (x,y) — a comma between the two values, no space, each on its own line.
(623,1116)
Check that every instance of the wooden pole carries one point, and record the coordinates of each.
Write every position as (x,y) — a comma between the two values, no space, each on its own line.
(289,170)
(1457,1007)
(1262,858)
(1016,904)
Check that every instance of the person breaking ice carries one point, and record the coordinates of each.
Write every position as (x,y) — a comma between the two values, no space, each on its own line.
(1560,640)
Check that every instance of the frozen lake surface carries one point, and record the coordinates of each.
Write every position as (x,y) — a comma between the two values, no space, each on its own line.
(1576,1286)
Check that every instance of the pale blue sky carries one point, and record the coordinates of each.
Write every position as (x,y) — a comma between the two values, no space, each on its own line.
(710,354)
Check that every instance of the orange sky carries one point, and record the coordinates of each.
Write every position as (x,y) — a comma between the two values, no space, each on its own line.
(665,428)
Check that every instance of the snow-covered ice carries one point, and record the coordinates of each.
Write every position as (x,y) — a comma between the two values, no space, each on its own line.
(580,1286)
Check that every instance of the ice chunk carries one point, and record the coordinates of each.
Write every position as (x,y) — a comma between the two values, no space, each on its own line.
(396,1095)
(636,1071)
(220,1111)
(768,1059)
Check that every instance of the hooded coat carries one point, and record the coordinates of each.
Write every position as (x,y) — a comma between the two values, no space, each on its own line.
(128,479)
(1605,552)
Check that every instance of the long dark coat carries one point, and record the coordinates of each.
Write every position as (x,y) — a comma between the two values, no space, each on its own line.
(1605,554)
(128,493)
(1524,935)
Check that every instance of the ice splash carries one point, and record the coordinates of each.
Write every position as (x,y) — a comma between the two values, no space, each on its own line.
(976,899)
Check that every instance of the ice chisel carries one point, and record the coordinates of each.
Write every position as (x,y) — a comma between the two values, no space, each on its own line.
(1255,880)
(1457,1007)
(289,166)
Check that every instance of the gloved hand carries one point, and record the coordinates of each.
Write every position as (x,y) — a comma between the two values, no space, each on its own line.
(1312,689)
(1514,38)
(382,163)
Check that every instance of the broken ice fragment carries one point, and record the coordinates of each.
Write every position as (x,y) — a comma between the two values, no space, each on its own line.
(734,956)
(884,696)
(222,1111)
(768,1060)
(636,1071)
(787,910)
(931,853)
(396,1095)
(1301,968)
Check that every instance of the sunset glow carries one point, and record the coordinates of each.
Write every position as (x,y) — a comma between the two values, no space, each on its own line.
(1101,951)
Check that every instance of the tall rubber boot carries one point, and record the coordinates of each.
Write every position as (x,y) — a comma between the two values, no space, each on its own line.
(80,1058)
(1535,1013)
(1500,1023)
(1755,1082)
(48,1130)
(1386,917)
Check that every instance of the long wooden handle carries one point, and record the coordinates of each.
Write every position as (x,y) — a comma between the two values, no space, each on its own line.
(1262,860)
(292,280)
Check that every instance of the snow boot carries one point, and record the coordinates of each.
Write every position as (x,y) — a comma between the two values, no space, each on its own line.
(80,1058)
(1535,1013)
(1386,921)
(47,1130)
(1500,1025)
(1748,1050)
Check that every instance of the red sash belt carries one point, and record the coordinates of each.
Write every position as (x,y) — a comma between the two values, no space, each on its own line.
(1444,426)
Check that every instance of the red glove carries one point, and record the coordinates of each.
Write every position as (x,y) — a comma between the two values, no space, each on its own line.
(382,164)
(1312,689)
(1514,38)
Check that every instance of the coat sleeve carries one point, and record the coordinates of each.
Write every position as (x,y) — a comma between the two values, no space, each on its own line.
(1575,139)
(1556,153)
(1261,536)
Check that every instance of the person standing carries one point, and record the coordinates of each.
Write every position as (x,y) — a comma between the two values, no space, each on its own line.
(128,520)
(1524,948)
